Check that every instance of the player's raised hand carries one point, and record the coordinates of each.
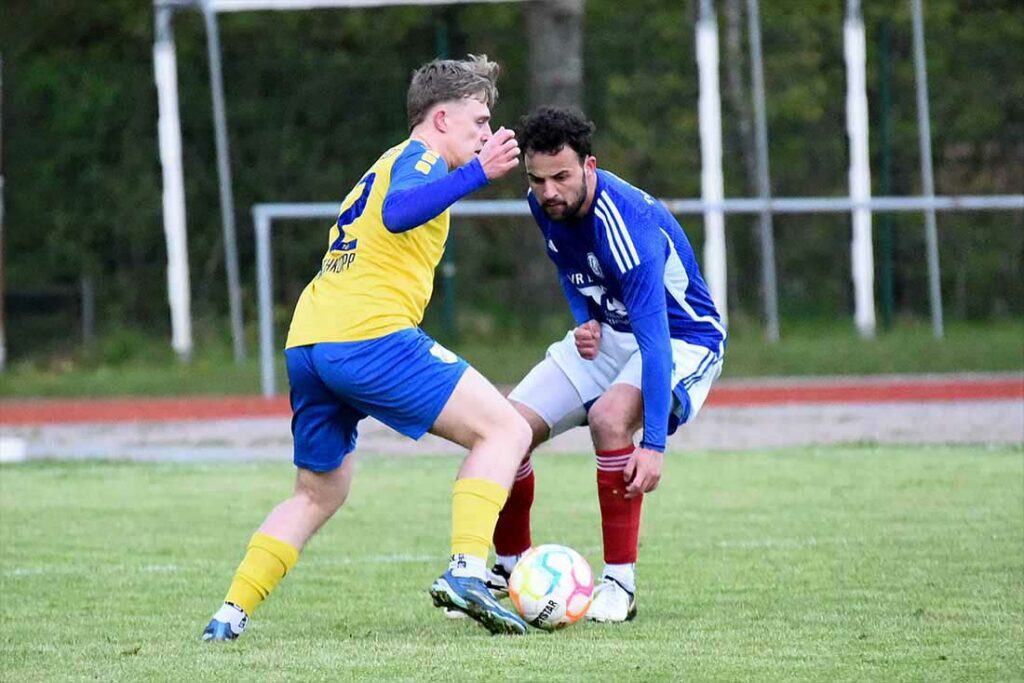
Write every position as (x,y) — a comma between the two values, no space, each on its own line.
(643,472)
(588,339)
(500,154)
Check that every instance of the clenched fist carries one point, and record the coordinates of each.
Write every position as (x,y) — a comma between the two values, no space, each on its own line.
(588,339)
(500,154)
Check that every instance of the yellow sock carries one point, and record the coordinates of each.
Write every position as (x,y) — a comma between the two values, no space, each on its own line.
(475,507)
(267,560)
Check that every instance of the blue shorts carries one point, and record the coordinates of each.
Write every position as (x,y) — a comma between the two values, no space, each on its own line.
(403,379)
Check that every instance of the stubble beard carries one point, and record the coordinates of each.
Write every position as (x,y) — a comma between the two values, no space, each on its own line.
(571,211)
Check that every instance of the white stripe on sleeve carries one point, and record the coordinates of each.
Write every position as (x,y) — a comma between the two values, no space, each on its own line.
(617,217)
(611,240)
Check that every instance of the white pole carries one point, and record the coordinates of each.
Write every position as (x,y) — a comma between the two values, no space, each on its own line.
(227,198)
(711,184)
(169,127)
(265,287)
(3,333)
(862,257)
(770,291)
(247,5)
(927,182)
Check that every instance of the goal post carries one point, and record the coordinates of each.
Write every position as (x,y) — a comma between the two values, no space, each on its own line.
(713,206)
(263,216)
(165,75)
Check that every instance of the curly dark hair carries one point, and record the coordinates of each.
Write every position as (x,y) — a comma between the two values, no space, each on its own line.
(549,129)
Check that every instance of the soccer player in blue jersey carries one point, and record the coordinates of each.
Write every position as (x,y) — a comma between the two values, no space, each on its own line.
(355,349)
(647,346)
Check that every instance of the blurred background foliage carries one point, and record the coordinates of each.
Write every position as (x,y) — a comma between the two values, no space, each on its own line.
(314,97)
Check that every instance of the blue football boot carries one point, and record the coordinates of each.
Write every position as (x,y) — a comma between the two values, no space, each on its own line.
(496,582)
(227,624)
(470,595)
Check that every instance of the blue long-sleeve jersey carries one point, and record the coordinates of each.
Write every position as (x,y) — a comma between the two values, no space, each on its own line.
(421,188)
(628,263)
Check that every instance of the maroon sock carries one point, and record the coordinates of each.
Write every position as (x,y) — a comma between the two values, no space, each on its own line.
(512,534)
(620,517)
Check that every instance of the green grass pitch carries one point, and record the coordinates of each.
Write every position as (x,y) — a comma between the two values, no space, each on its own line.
(859,563)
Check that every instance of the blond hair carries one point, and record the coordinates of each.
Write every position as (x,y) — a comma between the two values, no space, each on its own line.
(445,80)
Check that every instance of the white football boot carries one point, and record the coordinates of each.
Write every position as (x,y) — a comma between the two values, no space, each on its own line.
(227,624)
(612,602)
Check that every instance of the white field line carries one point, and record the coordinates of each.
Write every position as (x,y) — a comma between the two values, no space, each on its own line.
(17,572)
(786,543)
(400,558)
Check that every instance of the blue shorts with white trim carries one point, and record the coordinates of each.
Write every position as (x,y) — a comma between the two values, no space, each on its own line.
(403,379)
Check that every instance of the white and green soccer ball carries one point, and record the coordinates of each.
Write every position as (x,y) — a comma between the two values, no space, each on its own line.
(551,586)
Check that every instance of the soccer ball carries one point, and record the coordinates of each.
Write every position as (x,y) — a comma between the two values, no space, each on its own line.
(551,586)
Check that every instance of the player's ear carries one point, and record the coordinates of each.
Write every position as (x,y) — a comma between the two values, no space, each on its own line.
(439,119)
(590,164)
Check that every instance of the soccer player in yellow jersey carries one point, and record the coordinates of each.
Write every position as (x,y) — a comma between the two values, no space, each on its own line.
(355,349)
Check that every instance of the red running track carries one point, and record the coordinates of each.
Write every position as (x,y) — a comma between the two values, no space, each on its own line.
(727,394)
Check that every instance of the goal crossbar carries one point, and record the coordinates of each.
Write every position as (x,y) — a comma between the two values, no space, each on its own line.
(264,214)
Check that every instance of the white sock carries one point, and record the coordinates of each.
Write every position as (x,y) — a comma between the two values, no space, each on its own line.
(232,614)
(623,573)
(468,565)
(509,561)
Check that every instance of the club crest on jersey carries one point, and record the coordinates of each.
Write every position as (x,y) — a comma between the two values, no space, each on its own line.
(595,266)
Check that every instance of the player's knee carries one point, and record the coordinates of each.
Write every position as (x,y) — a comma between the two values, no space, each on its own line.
(324,501)
(324,493)
(523,436)
(513,432)
(607,423)
(539,430)
(503,428)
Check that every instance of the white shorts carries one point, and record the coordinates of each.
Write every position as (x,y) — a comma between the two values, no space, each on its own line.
(563,386)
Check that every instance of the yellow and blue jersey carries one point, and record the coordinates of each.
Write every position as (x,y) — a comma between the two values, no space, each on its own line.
(377,275)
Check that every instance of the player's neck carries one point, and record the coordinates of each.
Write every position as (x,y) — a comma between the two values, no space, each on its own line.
(589,201)
(424,138)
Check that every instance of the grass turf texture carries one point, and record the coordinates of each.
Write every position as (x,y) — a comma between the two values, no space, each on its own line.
(149,368)
(859,563)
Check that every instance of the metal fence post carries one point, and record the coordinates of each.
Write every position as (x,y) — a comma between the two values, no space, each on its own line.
(924,126)
(265,285)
